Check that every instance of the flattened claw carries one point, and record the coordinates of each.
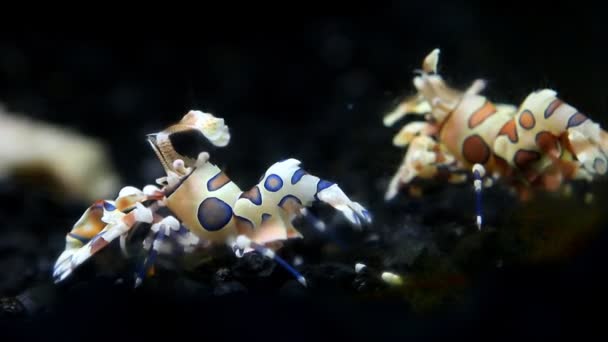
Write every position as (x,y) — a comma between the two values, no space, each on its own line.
(412,130)
(414,105)
(73,258)
(353,211)
(62,267)
(588,151)
(363,213)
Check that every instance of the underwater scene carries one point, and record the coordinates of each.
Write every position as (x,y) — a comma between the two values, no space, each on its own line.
(406,171)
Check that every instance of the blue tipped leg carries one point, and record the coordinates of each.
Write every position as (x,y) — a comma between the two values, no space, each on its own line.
(271,254)
(150,259)
(478,174)
(242,243)
(169,228)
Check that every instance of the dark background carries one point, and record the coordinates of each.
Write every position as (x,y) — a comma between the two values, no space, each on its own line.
(315,89)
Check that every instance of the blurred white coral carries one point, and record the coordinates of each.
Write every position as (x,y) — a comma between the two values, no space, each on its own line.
(79,164)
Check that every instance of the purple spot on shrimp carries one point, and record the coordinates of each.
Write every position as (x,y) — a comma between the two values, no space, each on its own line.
(214,214)
(576,120)
(323,184)
(253,195)
(273,183)
(78,237)
(265,217)
(217,181)
(244,221)
(552,107)
(297,176)
(288,197)
(290,204)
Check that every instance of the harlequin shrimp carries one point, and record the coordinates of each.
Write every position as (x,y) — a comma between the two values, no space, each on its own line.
(539,145)
(196,205)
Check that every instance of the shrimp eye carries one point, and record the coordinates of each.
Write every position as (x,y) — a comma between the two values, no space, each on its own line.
(189,143)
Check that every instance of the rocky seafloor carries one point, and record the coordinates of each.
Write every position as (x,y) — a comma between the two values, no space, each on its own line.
(523,274)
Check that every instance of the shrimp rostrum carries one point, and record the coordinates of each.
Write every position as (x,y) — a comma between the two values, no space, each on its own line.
(202,207)
(540,145)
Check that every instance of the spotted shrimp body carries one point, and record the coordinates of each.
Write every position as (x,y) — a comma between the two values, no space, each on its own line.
(539,145)
(206,207)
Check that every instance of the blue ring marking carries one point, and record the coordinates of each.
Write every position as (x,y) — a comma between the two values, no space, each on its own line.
(108,206)
(297,176)
(246,220)
(287,197)
(273,179)
(265,217)
(253,195)
(210,185)
(213,214)
(79,238)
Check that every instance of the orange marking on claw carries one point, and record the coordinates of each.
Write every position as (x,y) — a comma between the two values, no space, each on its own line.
(480,115)
(510,131)
(91,224)
(124,203)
